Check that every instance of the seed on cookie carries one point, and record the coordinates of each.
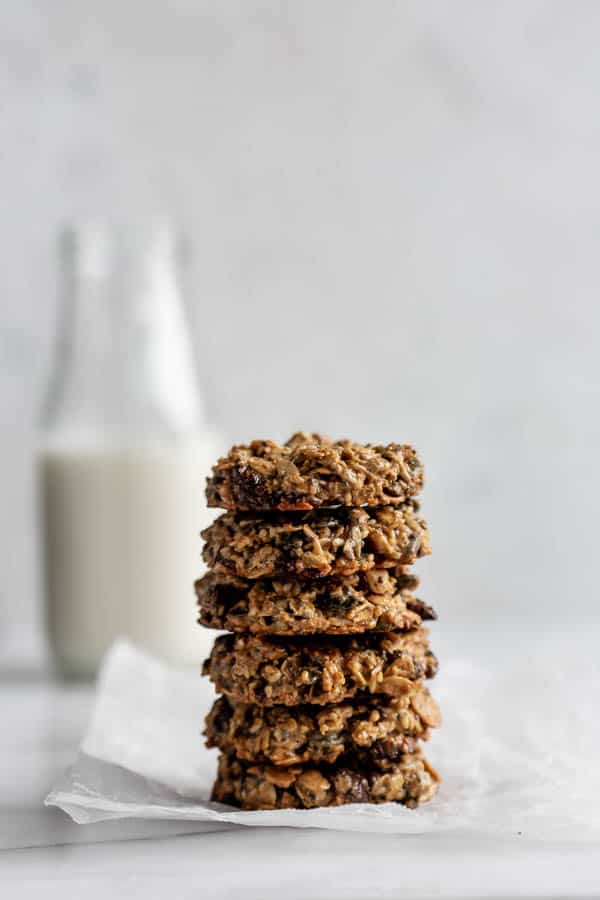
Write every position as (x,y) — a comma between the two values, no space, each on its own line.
(375,730)
(289,671)
(311,471)
(376,600)
(316,543)
(410,781)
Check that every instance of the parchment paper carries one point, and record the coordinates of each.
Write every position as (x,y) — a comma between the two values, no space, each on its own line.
(518,752)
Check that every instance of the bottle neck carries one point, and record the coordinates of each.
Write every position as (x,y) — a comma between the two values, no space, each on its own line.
(124,369)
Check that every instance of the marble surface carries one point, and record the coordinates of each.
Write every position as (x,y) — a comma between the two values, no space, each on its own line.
(41,849)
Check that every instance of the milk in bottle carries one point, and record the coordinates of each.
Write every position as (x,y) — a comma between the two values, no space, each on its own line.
(123,457)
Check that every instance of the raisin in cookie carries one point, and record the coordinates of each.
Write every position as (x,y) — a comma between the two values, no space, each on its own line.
(410,781)
(317,543)
(290,671)
(376,600)
(311,471)
(375,730)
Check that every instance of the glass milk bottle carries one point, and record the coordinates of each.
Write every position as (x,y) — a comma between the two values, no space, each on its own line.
(124,455)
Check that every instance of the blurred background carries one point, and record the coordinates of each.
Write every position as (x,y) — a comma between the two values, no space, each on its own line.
(393,214)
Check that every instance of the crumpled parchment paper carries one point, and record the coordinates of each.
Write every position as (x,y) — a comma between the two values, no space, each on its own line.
(518,751)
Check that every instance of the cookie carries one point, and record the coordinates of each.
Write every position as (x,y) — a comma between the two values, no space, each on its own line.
(289,671)
(410,781)
(377,731)
(316,543)
(377,600)
(311,471)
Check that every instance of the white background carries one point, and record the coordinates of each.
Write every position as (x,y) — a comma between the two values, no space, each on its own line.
(395,209)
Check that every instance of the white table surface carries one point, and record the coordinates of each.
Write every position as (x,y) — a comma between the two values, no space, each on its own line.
(43,852)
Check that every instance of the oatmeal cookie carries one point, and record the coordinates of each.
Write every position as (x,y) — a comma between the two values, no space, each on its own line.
(374,730)
(316,543)
(311,471)
(377,600)
(289,671)
(410,781)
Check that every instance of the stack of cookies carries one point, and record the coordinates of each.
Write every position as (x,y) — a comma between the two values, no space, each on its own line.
(322,678)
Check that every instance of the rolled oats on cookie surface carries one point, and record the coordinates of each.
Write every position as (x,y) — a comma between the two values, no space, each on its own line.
(317,543)
(375,730)
(411,781)
(376,600)
(325,669)
(311,471)
(322,680)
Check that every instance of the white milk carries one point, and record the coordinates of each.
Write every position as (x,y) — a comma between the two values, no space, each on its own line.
(122,547)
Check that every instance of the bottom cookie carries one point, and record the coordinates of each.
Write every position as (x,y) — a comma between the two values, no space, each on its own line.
(411,781)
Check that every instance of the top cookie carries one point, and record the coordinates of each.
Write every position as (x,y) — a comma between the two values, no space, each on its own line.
(311,471)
